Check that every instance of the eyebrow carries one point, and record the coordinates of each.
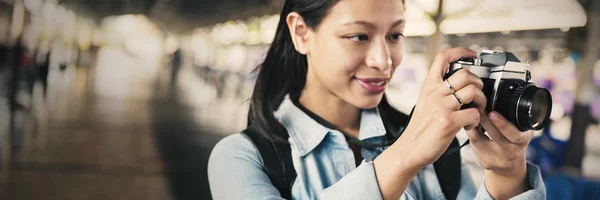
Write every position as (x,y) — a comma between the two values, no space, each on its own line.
(371,25)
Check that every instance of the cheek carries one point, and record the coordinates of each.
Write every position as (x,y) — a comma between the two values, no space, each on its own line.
(337,62)
(397,54)
(397,57)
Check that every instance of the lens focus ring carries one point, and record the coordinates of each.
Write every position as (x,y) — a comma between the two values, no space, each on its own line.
(517,91)
(516,108)
(507,102)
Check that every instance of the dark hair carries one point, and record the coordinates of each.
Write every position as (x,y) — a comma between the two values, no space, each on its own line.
(284,70)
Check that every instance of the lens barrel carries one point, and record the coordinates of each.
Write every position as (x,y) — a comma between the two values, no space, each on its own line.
(534,107)
(525,105)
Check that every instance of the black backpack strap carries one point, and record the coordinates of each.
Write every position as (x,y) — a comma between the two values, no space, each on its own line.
(277,161)
(448,171)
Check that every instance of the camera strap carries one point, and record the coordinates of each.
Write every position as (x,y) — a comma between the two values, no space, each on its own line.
(349,138)
(451,151)
(364,144)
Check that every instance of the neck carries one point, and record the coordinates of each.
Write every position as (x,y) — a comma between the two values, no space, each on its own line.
(332,109)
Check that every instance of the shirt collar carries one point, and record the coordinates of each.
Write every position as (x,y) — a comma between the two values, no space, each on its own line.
(307,133)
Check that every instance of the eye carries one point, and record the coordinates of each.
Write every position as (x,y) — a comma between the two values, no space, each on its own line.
(358,38)
(396,36)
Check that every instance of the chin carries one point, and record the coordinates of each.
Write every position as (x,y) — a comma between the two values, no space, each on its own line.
(367,101)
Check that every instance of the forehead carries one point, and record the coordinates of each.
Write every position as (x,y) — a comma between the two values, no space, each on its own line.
(373,11)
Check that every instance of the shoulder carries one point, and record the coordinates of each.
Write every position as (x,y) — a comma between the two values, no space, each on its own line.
(235,171)
(236,148)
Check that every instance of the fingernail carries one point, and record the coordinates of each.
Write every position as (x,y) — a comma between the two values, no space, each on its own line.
(495,116)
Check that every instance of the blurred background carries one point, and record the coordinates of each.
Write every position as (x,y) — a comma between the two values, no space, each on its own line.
(124,99)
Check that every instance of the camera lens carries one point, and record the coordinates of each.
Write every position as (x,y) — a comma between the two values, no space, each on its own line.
(534,107)
(539,108)
(527,106)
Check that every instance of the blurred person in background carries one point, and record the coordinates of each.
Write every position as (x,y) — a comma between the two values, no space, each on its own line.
(319,101)
(17,53)
(19,59)
(4,66)
(175,66)
(43,70)
(27,75)
(3,56)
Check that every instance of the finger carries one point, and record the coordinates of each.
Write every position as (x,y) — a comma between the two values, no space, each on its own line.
(496,136)
(481,141)
(466,118)
(469,94)
(490,154)
(470,127)
(462,78)
(509,150)
(443,59)
(508,130)
(475,136)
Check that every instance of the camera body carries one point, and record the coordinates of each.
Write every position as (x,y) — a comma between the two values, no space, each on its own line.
(507,88)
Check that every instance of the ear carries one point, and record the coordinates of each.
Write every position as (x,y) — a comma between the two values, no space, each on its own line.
(299,32)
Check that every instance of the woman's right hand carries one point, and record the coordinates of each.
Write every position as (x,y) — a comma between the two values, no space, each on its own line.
(435,121)
(437,117)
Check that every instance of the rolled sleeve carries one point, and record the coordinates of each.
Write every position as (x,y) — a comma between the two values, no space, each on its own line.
(536,184)
(361,183)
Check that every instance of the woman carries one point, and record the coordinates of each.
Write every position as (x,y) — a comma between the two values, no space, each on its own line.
(321,89)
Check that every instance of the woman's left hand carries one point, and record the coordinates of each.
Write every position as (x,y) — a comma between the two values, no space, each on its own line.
(502,154)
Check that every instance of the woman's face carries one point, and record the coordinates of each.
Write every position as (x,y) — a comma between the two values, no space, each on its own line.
(355,50)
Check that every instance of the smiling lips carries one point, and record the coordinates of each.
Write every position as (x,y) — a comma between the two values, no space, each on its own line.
(373,85)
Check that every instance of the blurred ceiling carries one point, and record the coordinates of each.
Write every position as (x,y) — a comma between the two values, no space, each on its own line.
(176,15)
(183,16)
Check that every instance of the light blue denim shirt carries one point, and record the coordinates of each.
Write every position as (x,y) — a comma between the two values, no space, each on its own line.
(326,167)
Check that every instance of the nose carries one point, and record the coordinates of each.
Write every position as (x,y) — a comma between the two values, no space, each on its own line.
(379,56)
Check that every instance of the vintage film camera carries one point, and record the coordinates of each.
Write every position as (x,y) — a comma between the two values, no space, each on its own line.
(507,88)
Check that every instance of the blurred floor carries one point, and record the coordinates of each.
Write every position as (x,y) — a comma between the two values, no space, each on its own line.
(115,130)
